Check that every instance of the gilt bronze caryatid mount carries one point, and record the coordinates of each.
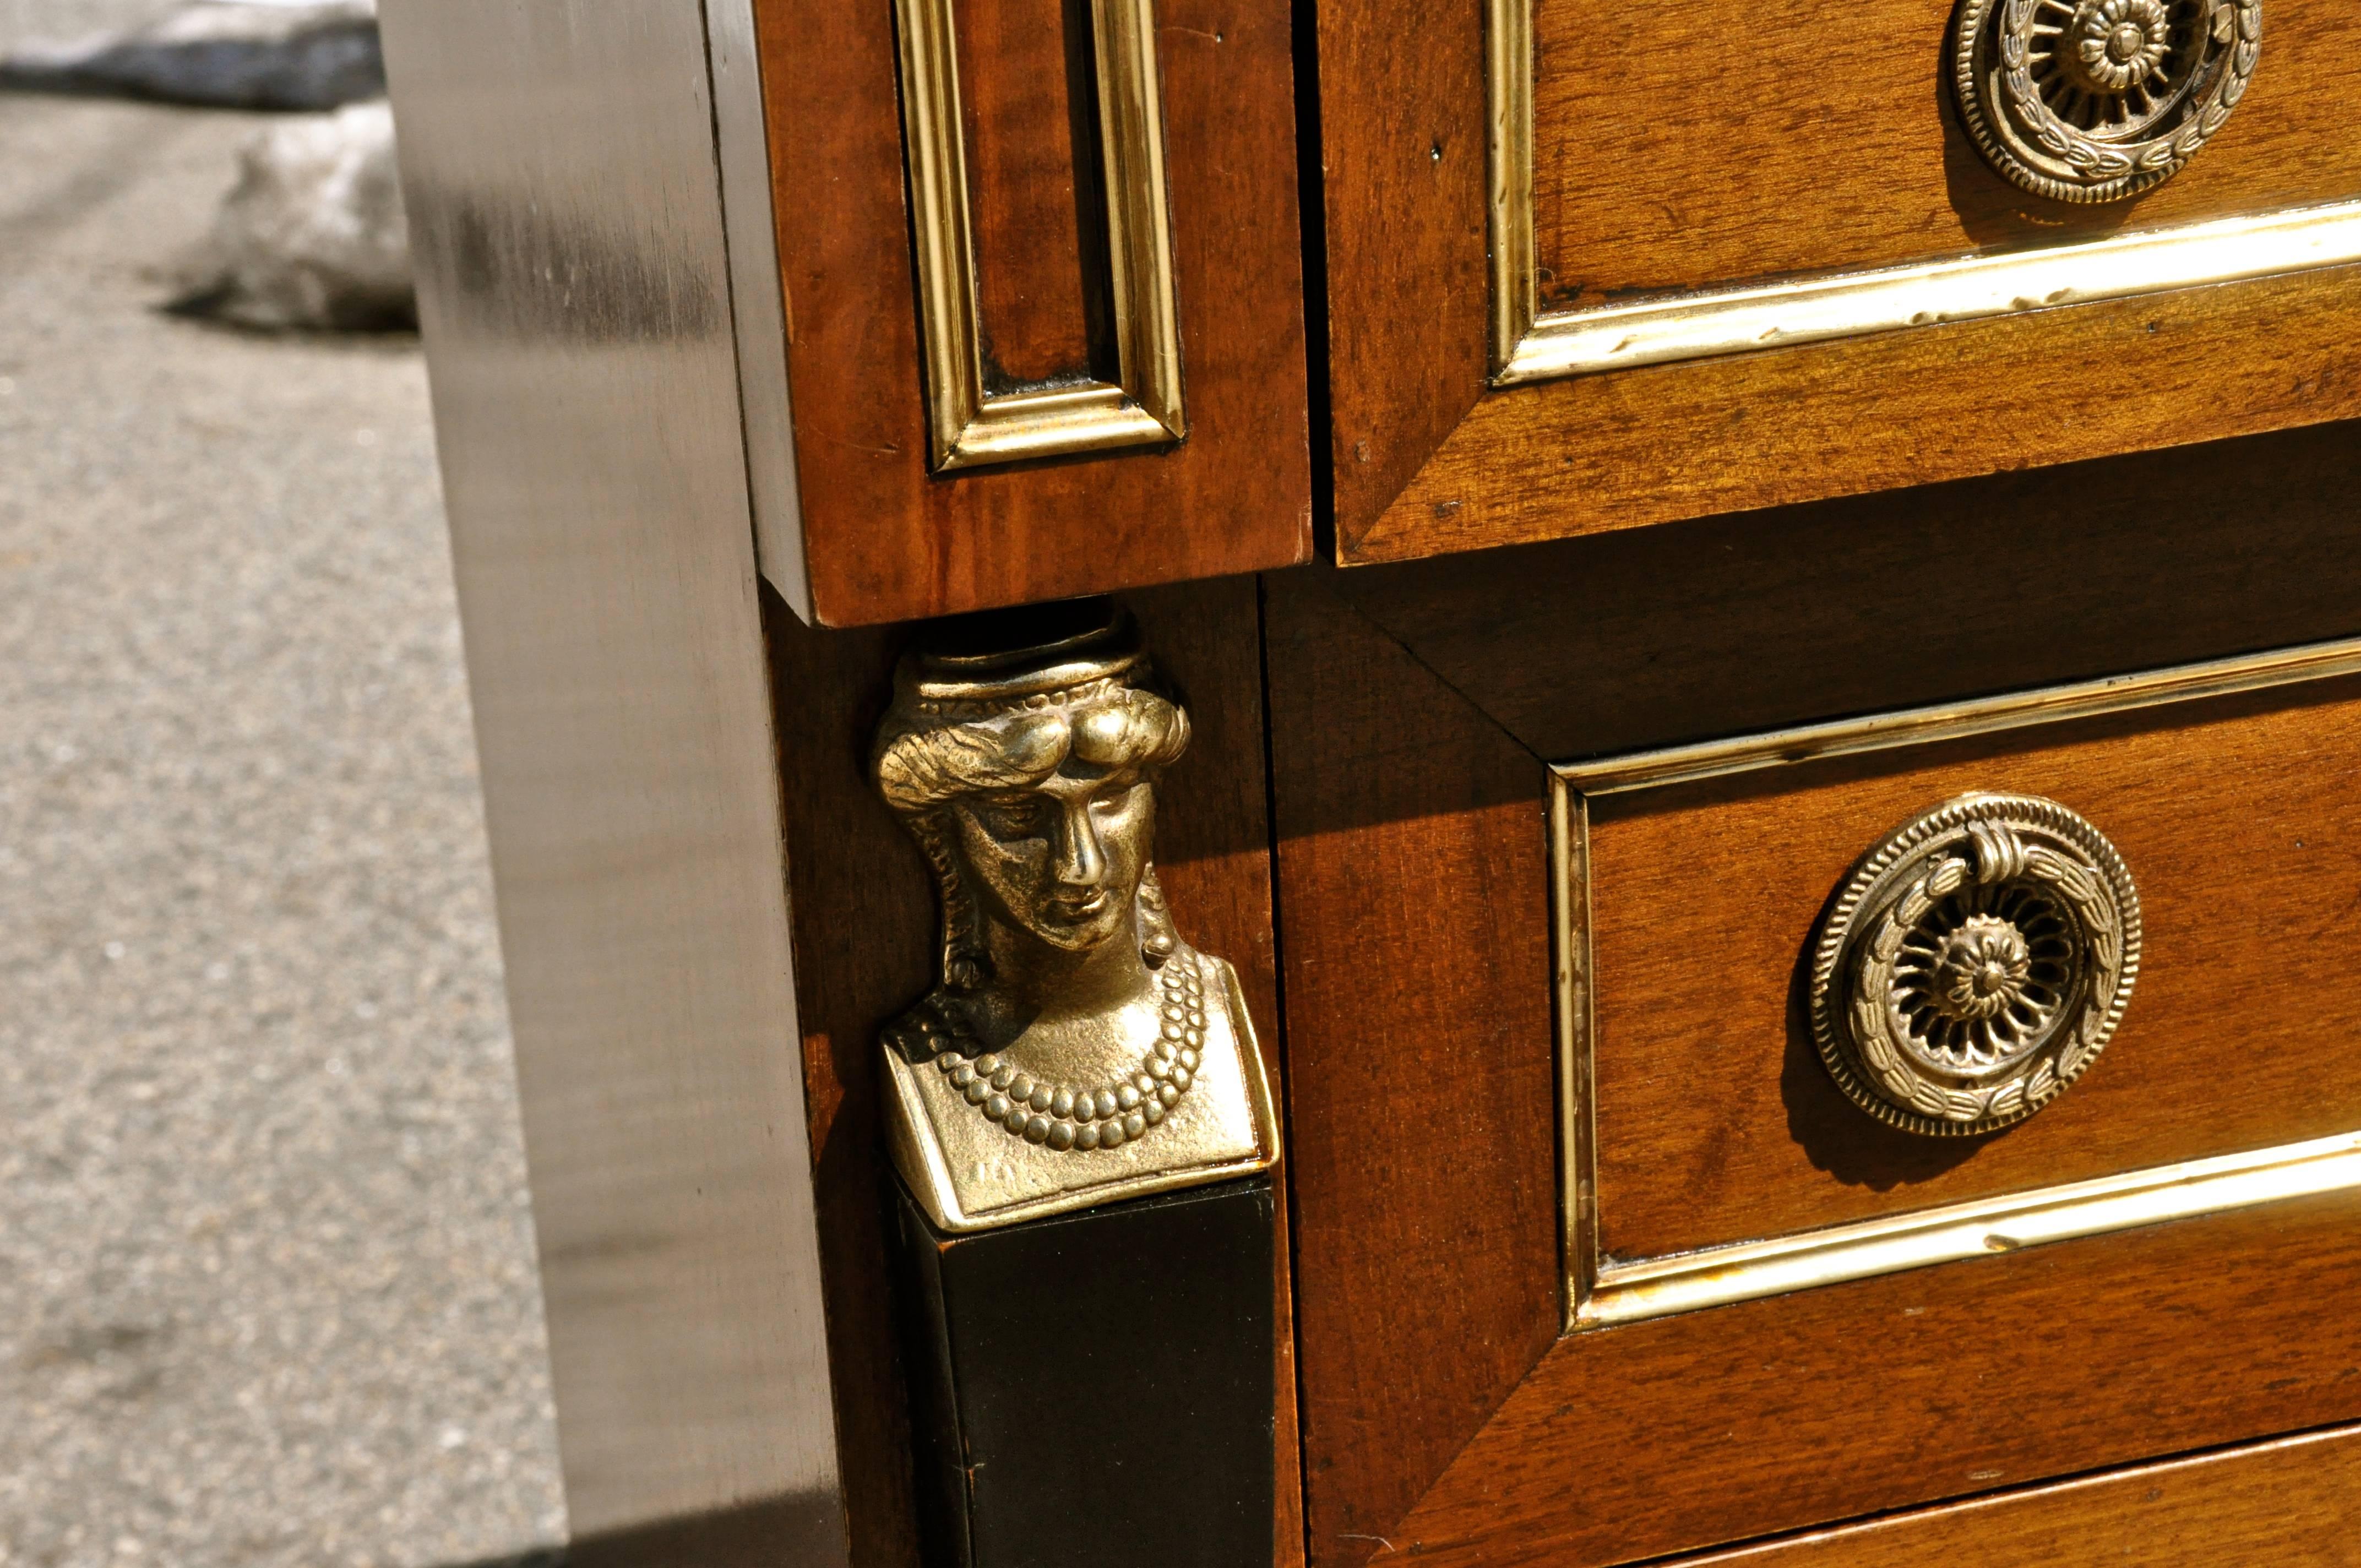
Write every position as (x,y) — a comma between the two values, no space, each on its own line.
(1074,1050)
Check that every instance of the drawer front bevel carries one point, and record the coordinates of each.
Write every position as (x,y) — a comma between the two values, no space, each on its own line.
(1448,1412)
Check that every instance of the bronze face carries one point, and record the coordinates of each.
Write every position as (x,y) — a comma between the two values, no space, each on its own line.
(1057,843)
(1062,861)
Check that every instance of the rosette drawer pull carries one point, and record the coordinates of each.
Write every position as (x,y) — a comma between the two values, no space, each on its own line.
(2098,100)
(1975,964)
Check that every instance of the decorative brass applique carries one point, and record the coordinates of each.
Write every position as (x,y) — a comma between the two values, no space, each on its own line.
(2098,100)
(1976,963)
(1075,1050)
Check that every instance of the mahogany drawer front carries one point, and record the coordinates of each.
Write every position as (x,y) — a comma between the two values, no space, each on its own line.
(1712,1120)
(1589,270)
(1850,150)
(2294,1503)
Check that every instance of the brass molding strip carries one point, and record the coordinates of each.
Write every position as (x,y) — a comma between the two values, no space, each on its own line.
(967,426)
(1956,721)
(1628,1293)
(1508,108)
(1603,1291)
(1570,954)
(1700,326)
(1528,347)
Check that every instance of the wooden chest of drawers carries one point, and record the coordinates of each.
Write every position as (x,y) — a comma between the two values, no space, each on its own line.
(1737,678)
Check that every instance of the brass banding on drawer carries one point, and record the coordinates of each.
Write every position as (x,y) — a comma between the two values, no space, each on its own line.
(1666,261)
(1703,897)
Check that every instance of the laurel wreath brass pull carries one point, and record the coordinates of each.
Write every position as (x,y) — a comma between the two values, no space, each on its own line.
(2100,100)
(1976,963)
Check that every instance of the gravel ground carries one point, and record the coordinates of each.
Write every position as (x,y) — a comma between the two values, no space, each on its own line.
(267,1287)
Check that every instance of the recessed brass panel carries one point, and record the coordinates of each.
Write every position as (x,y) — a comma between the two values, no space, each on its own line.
(968,425)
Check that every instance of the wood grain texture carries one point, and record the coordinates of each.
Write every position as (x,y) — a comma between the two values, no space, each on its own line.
(1942,1382)
(1717,1121)
(1411,887)
(1723,626)
(1408,286)
(1852,148)
(861,919)
(1597,453)
(885,540)
(1040,250)
(2293,1503)
(863,908)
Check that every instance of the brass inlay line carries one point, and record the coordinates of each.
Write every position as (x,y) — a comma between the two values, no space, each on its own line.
(1578,1124)
(1529,346)
(1626,1293)
(967,426)
(1603,1291)
(1509,105)
(1956,721)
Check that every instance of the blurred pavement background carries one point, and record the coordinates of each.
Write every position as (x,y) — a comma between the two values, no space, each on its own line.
(267,1287)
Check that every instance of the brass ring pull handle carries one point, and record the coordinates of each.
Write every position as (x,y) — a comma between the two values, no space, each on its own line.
(2098,100)
(1976,963)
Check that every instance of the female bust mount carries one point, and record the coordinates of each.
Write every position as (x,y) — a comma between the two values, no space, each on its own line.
(1075,1050)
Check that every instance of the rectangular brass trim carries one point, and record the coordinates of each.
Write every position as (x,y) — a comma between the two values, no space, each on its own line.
(1956,721)
(1629,1293)
(1577,1128)
(1602,1291)
(1528,347)
(968,427)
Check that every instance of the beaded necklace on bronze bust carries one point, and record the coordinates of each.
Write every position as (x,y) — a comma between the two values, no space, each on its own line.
(1101,1116)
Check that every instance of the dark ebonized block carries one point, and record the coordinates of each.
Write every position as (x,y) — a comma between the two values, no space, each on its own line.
(1096,1389)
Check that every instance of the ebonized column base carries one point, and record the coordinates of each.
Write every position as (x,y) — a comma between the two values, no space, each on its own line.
(1097,1388)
